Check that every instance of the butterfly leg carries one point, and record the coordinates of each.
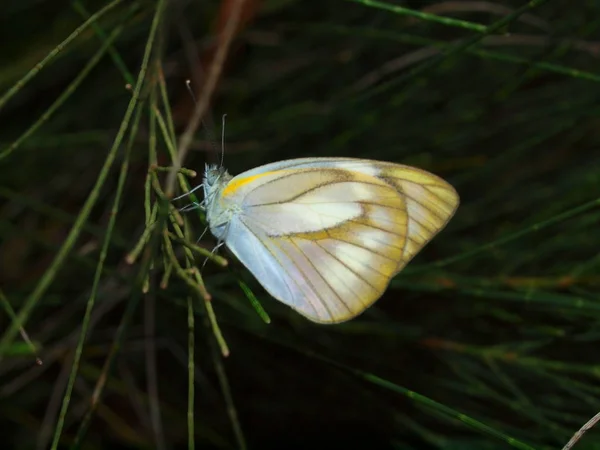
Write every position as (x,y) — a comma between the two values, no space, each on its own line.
(214,250)
(220,242)
(202,235)
(190,192)
(192,206)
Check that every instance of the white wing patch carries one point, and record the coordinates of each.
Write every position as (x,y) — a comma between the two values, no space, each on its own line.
(320,207)
(340,191)
(288,218)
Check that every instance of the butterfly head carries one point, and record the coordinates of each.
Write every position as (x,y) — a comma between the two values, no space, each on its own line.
(215,179)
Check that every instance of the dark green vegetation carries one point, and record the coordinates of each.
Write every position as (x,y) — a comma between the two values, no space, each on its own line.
(489,339)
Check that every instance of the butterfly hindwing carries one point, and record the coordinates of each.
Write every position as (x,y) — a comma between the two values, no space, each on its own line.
(326,235)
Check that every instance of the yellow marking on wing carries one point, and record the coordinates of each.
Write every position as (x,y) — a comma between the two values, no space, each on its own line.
(437,186)
(413,174)
(233,186)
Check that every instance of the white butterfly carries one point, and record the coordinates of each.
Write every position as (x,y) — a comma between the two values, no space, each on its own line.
(326,235)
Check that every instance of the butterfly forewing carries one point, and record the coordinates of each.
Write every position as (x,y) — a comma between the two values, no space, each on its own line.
(326,235)
(430,203)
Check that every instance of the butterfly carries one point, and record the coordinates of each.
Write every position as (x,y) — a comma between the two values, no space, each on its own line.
(326,235)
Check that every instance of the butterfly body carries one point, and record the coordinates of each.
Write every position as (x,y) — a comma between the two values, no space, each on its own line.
(218,213)
(326,235)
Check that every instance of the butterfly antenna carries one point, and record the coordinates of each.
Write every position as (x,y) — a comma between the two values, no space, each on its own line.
(207,127)
(223,140)
(188,85)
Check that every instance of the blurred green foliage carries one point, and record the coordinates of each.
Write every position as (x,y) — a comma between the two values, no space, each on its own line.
(487,340)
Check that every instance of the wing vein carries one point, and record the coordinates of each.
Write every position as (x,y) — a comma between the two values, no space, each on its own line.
(285,279)
(358,275)
(322,278)
(427,187)
(425,206)
(365,248)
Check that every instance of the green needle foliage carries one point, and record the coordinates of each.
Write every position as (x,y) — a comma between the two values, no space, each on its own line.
(120,327)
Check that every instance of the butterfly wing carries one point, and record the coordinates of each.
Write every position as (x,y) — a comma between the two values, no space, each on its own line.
(326,235)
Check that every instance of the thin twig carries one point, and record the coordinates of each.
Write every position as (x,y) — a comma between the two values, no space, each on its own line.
(588,425)
(208,88)
(55,51)
(200,250)
(488,7)
(7,306)
(151,370)
(409,59)
(180,271)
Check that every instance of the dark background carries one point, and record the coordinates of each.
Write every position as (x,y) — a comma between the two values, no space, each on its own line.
(488,339)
